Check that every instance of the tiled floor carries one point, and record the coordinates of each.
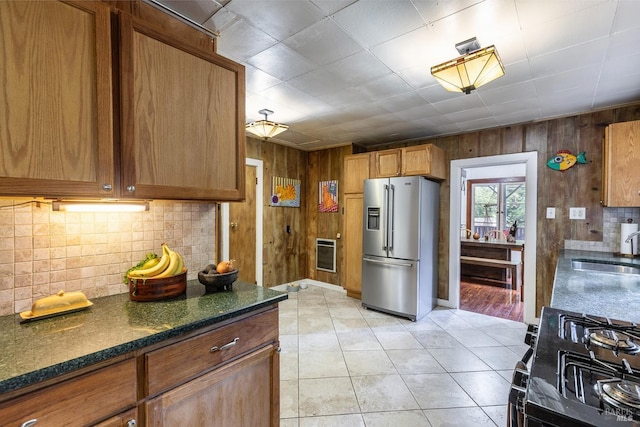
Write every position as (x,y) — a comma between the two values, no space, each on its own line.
(343,365)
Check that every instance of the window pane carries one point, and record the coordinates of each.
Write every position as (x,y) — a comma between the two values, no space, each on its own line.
(485,207)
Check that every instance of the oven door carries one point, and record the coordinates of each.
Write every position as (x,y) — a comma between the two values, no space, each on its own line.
(518,391)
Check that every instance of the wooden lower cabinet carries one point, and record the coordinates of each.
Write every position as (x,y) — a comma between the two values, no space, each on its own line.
(353,217)
(242,393)
(125,419)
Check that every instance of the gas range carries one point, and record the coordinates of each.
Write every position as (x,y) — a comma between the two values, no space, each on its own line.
(585,371)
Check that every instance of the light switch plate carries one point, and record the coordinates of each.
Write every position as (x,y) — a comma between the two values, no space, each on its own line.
(551,213)
(577,213)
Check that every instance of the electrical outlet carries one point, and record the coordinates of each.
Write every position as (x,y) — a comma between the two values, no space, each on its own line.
(551,213)
(577,213)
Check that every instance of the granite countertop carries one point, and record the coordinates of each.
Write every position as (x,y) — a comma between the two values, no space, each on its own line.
(616,296)
(38,350)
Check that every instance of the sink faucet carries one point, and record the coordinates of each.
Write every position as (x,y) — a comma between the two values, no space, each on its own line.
(631,236)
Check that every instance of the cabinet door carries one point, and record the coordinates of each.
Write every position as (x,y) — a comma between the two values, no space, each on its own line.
(425,160)
(56,127)
(126,419)
(356,170)
(182,118)
(244,393)
(386,163)
(621,174)
(353,216)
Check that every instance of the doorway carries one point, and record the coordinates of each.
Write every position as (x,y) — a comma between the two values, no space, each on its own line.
(529,161)
(241,226)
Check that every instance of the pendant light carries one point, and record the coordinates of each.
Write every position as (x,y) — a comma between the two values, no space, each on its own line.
(265,128)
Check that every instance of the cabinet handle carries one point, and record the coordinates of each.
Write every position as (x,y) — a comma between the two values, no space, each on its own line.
(107,187)
(226,346)
(29,423)
(132,423)
(131,188)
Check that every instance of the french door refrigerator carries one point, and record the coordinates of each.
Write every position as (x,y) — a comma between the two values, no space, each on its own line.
(400,245)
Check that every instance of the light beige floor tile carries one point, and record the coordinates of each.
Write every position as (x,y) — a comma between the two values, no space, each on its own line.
(507,335)
(437,391)
(359,340)
(485,388)
(288,366)
(289,422)
(458,417)
(350,325)
(497,357)
(396,419)
(497,413)
(318,342)
(384,324)
(452,322)
(436,339)
(319,364)
(424,324)
(473,338)
(377,393)
(289,343)
(289,399)
(397,340)
(458,359)
(372,362)
(327,396)
(288,326)
(417,361)
(507,374)
(351,420)
(345,312)
(317,325)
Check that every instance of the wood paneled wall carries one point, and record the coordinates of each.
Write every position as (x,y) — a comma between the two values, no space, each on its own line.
(579,186)
(284,255)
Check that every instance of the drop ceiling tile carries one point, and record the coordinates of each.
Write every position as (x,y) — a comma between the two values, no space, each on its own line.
(258,80)
(278,18)
(241,41)
(416,113)
(469,115)
(402,102)
(358,68)
(515,73)
(509,107)
(607,99)
(410,50)
(198,11)
(627,15)
(318,82)
(281,62)
(534,13)
(432,11)
(436,93)
(372,22)
(574,101)
(221,20)
(574,79)
(459,102)
(302,103)
(623,43)
(471,125)
(349,97)
(504,94)
(385,87)
(519,116)
(618,70)
(323,42)
(559,61)
(329,7)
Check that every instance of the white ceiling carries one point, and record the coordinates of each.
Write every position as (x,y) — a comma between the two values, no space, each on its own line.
(357,71)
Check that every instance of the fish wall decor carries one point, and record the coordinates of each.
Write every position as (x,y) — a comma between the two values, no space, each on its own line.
(563,160)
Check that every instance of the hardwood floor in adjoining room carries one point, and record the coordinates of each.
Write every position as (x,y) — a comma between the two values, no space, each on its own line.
(491,300)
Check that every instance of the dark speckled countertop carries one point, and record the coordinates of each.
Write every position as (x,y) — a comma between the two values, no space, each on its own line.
(616,296)
(114,325)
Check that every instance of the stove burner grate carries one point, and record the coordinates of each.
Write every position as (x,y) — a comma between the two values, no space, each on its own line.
(620,393)
(612,340)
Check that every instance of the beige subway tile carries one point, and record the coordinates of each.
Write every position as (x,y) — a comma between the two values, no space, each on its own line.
(21,268)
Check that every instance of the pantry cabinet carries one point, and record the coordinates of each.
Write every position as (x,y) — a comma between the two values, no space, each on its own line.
(352,232)
(56,107)
(182,132)
(620,165)
(147,112)
(356,170)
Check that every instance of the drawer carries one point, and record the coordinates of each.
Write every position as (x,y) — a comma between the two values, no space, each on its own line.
(184,360)
(80,401)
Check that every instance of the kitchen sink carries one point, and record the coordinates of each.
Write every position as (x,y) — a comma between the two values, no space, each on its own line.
(604,266)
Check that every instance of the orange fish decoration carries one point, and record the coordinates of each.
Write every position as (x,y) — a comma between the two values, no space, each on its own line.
(563,160)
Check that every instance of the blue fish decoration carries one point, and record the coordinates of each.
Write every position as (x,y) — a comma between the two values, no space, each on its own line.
(563,160)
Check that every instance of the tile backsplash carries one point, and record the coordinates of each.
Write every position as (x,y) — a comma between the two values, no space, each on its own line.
(611,219)
(42,252)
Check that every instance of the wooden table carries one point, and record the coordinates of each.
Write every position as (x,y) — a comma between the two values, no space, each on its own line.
(491,249)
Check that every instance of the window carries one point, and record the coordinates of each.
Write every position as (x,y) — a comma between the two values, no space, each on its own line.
(494,204)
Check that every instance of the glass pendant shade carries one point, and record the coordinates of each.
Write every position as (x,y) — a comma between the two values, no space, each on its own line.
(265,128)
(470,71)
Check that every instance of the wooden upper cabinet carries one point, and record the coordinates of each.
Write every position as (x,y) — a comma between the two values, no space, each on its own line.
(620,166)
(426,160)
(182,117)
(385,163)
(56,125)
(356,170)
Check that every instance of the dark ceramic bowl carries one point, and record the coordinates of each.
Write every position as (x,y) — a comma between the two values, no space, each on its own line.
(215,282)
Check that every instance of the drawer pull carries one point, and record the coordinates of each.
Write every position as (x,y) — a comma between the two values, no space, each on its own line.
(29,423)
(226,346)
(131,423)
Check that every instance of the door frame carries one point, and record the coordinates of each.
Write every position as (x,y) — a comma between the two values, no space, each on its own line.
(530,159)
(224,220)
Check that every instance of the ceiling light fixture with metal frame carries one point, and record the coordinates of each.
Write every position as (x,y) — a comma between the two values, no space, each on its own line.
(265,128)
(473,69)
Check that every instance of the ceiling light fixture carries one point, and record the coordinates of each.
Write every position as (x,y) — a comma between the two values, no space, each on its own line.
(264,128)
(473,69)
(99,206)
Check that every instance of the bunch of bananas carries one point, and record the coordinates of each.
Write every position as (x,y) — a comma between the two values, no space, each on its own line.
(169,264)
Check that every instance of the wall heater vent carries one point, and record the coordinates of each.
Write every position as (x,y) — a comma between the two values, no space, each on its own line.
(326,255)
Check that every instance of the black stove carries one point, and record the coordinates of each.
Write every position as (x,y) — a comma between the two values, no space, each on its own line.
(585,371)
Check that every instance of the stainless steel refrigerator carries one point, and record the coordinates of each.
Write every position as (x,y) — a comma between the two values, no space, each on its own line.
(400,245)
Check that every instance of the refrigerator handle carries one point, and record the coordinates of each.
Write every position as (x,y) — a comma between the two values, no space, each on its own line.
(391,206)
(385,224)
